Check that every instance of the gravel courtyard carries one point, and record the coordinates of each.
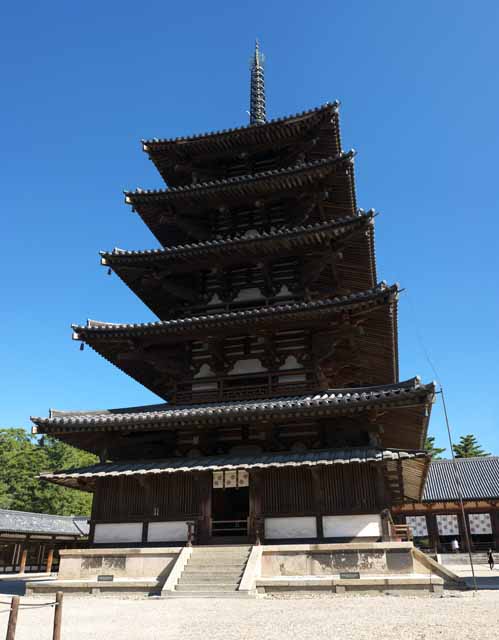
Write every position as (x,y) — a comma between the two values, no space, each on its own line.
(413,618)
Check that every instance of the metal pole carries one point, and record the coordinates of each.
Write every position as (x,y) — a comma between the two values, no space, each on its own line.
(58,616)
(11,627)
(459,490)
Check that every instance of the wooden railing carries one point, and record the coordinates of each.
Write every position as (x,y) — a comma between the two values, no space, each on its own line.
(241,387)
(229,527)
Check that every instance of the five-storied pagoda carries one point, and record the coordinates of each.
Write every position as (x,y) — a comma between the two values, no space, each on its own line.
(275,351)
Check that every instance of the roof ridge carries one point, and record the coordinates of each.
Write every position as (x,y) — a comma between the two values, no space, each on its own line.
(243,238)
(249,177)
(334,105)
(379,289)
(40,515)
(412,384)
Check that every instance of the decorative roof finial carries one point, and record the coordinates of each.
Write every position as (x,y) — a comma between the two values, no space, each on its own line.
(257,95)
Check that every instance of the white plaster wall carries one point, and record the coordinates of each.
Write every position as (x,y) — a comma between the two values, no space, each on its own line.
(245,295)
(205,371)
(118,532)
(290,363)
(300,527)
(354,526)
(167,531)
(252,365)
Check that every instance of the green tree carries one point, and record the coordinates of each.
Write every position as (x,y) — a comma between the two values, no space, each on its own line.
(22,458)
(468,447)
(434,451)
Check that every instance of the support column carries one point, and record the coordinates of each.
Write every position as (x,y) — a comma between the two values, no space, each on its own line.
(318,501)
(462,532)
(255,505)
(50,560)
(494,520)
(431,525)
(204,481)
(24,556)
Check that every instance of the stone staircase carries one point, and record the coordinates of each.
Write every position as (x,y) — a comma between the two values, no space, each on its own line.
(213,571)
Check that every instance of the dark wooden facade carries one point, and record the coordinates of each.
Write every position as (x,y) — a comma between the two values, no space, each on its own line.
(273,337)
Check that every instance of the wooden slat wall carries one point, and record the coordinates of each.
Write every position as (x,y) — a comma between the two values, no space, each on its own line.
(131,498)
(287,491)
(344,489)
(348,488)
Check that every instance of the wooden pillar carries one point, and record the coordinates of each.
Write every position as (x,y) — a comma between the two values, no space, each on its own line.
(431,525)
(24,556)
(204,481)
(50,560)
(462,531)
(318,500)
(255,504)
(494,520)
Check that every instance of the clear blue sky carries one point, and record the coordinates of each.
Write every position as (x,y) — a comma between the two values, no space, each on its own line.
(82,83)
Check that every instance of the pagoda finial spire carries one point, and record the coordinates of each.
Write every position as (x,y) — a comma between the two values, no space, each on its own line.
(257,94)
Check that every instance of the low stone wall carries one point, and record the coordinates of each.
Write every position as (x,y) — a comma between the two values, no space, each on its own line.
(87,564)
(367,558)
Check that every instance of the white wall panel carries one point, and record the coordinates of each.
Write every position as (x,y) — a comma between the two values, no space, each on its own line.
(118,532)
(167,531)
(300,527)
(354,526)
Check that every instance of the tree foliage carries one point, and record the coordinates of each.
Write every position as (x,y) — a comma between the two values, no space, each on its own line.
(435,452)
(22,458)
(468,447)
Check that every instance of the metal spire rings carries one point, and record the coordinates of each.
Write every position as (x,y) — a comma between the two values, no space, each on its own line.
(257,93)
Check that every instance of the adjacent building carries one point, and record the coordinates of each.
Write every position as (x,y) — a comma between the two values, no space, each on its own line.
(436,520)
(30,542)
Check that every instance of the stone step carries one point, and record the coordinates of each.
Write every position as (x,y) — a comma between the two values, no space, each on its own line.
(219,568)
(206,587)
(221,562)
(214,579)
(215,571)
(207,594)
(203,553)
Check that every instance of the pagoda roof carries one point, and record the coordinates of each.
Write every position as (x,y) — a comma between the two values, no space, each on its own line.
(227,141)
(412,477)
(254,243)
(293,177)
(410,393)
(294,311)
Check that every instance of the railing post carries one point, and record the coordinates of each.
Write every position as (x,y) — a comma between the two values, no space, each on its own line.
(11,627)
(190,533)
(58,616)
(258,540)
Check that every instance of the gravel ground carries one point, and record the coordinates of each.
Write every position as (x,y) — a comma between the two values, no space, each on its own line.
(453,617)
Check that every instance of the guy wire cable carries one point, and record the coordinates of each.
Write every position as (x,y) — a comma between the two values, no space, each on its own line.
(457,477)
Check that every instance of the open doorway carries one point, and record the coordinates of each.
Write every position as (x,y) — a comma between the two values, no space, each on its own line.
(230,505)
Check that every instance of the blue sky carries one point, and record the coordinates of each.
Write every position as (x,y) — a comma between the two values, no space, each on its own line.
(82,83)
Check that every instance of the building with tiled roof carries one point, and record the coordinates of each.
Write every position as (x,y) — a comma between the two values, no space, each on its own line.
(437,519)
(275,351)
(30,542)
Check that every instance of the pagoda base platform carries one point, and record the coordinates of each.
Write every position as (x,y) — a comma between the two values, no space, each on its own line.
(283,569)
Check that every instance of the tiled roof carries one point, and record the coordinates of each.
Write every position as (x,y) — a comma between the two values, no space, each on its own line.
(302,234)
(332,399)
(479,479)
(25,522)
(271,123)
(362,299)
(287,172)
(228,462)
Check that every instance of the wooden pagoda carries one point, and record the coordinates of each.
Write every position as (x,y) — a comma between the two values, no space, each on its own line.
(275,350)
